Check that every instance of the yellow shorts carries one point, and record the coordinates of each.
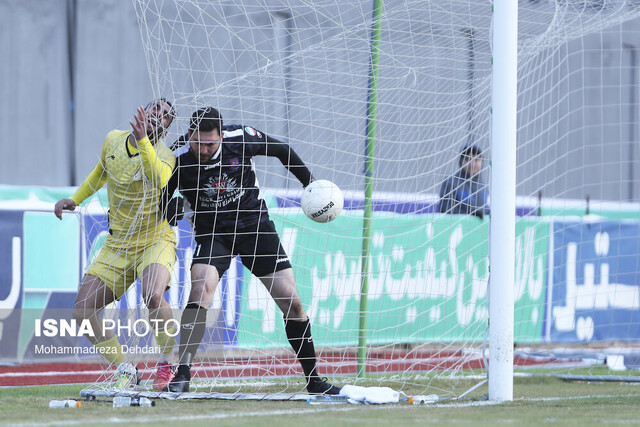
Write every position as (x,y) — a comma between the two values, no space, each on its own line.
(119,268)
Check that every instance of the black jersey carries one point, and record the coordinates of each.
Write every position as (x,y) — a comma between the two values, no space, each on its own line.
(223,193)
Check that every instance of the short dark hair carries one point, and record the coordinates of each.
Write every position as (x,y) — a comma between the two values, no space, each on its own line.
(206,120)
(165,100)
(468,152)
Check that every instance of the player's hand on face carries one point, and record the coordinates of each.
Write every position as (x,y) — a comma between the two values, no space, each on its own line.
(139,125)
(63,204)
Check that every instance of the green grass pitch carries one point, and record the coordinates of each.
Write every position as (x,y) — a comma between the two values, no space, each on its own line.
(537,401)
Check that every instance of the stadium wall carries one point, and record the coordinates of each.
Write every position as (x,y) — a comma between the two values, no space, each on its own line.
(75,69)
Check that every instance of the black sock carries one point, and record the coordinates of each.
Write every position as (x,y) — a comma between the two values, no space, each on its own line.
(193,323)
(299,335)
(184,370)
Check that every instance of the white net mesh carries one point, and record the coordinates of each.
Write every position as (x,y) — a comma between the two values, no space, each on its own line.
(300,72)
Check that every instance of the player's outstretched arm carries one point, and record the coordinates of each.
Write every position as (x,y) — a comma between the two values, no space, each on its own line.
(63,204)
(289,159)
(96,179)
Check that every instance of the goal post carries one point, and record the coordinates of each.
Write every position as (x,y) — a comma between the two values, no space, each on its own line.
(504,103)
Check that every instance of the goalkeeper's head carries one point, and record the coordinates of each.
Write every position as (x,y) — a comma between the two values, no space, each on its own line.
(160,115)
(205,133)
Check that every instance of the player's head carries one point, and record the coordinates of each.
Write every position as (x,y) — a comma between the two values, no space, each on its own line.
(160,115)
(205,133)
(471,160)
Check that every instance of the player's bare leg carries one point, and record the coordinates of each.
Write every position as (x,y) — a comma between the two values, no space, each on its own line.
(155,278)
(92,297)
(282,287)
(204,280)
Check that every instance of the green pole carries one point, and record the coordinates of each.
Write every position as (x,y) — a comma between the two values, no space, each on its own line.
(370,151)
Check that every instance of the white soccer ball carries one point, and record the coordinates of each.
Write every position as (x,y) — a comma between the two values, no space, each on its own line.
(322,201)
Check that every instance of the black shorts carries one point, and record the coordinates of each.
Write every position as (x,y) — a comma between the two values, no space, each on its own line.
(261,252)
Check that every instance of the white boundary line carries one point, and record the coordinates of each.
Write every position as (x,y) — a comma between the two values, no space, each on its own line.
(320,409)
(203,417)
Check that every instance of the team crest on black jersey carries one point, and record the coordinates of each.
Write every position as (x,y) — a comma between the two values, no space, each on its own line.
(215,185)
(220,191)
(220,185)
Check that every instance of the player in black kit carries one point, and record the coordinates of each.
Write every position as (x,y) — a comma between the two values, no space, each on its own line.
(214,173)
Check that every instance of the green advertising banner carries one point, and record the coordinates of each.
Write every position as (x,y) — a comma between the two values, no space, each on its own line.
(428,280)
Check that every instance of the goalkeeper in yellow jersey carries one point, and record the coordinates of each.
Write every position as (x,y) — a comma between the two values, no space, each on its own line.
(135,165)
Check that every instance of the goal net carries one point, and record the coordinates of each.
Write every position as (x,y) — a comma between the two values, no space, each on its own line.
(399,96)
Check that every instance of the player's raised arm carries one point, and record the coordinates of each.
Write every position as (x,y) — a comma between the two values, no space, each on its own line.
(147,129)
(289,158)
(139,126)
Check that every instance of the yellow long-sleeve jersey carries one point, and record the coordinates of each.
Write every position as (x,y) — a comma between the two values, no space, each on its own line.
(134,178)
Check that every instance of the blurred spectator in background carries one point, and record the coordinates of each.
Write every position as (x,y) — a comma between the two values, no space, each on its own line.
(464,193)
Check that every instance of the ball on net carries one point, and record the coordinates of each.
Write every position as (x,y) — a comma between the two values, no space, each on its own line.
(322,201)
